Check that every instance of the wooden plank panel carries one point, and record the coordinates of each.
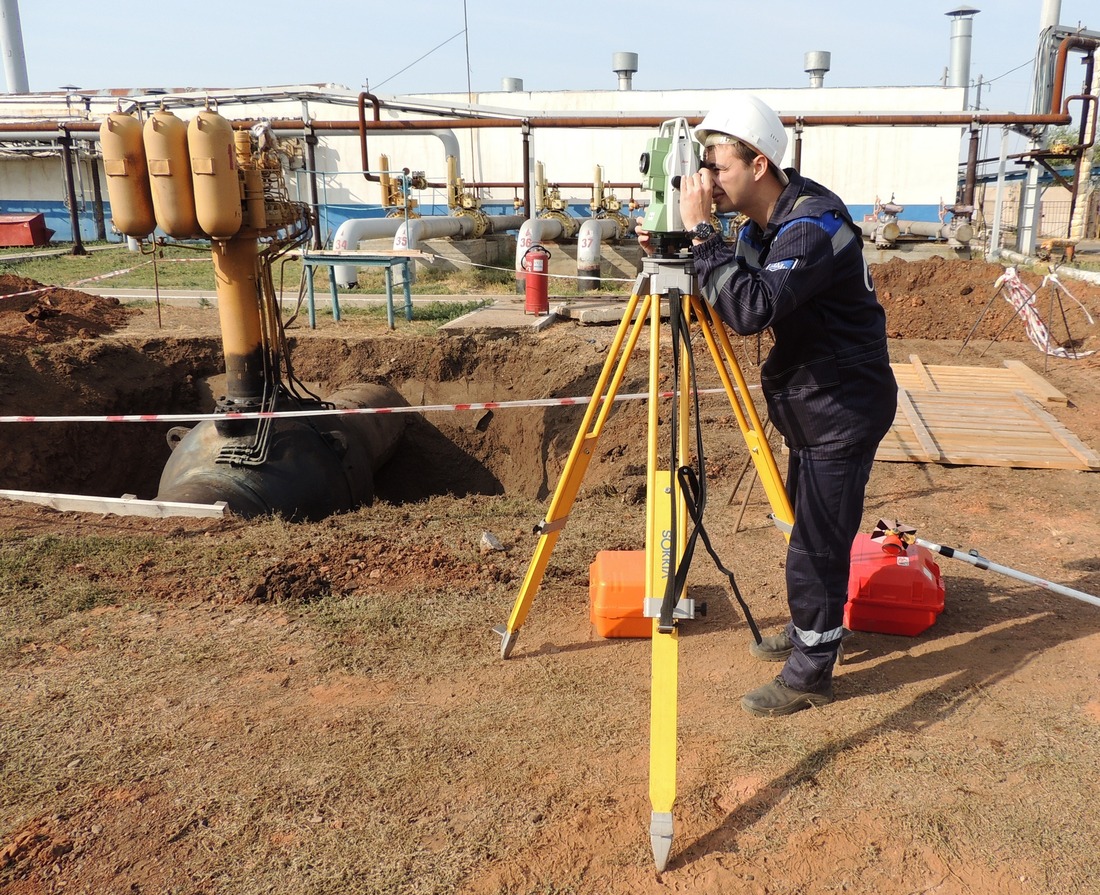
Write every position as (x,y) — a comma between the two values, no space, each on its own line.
(1013,377)
(922,374)
(928,448)
(986,430)
(1036,384)
(118,506)
(1071,442)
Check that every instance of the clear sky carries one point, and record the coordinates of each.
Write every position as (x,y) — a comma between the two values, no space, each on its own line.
(411,46)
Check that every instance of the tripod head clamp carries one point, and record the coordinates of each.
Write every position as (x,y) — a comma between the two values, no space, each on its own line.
(662,275)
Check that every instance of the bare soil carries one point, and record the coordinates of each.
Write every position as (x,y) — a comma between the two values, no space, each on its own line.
(199,706)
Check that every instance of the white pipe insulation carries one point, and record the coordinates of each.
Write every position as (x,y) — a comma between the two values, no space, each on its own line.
(347,238)
(963,233)
(410,233)
(890,231)
(352,231)
(592,233)
(533,232)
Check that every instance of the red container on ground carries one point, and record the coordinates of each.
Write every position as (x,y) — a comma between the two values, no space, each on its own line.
(616,590)
(892,594)
(24,230)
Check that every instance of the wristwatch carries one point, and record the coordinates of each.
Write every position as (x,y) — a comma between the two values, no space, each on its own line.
(703,231)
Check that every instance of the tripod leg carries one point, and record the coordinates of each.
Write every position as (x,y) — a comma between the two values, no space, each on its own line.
(662,742)
(576,465)
(666,535)
(733,380)
(744,503)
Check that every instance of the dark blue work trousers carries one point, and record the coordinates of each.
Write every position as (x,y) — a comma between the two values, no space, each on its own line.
(827,496)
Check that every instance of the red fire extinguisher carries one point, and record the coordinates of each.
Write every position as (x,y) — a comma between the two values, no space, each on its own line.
(536,261)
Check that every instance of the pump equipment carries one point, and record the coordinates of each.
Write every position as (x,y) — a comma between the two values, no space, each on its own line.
(208,179)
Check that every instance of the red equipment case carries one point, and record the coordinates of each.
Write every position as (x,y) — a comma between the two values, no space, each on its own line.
(24,230)
(892,594)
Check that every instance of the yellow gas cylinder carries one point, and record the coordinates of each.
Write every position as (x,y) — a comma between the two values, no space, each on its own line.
(127,175)
(165,140)
(214,175)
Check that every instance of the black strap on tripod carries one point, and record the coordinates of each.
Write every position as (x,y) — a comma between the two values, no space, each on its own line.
(692,482)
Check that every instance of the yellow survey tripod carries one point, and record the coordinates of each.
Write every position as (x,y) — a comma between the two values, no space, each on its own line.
(668,501)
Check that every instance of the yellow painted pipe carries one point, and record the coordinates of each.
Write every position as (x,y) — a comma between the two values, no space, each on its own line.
(236,276)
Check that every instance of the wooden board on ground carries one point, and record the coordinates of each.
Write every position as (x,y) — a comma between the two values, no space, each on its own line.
(1013,377)
(981,430)
(127,505)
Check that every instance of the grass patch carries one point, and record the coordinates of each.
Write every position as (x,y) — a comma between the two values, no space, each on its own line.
(435,313)
(46,578)
(190,267)
(177,267)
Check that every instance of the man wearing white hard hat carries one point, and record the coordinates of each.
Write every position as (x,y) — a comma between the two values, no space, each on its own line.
(797,267)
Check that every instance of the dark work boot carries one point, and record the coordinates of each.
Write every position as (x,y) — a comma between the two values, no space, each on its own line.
(777,698)
(775,648)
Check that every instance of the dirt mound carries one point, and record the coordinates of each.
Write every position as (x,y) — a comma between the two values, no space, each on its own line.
(32,312)
(942,298)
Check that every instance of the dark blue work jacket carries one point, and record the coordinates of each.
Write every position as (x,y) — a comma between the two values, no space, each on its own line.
(827,380)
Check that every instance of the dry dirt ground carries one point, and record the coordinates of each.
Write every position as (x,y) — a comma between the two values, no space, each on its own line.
(197,706)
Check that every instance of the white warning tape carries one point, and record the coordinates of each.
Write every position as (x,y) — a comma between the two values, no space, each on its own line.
(338,411)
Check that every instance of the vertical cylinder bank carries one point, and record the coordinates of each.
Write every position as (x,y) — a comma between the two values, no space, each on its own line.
(165,138)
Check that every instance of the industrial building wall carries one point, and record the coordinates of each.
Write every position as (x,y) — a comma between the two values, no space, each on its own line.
(917,167)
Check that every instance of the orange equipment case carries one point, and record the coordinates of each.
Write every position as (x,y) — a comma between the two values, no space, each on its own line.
(616,590)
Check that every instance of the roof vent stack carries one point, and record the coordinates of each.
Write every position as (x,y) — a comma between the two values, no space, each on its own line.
(817,62)
(624,65)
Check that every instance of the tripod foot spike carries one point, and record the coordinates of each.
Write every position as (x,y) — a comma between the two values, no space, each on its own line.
(660,838)
(507,640)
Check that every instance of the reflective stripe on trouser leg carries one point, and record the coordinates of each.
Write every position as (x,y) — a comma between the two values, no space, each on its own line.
(827,495)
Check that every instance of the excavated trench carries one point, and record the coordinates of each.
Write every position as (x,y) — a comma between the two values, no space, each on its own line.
(454,452)
(69,353)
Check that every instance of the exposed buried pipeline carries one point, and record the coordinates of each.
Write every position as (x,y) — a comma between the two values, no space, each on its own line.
(310,469)
(204,179)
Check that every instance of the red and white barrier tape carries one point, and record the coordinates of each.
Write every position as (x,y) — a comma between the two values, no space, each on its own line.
(267,415)
(28,292)
(96,279)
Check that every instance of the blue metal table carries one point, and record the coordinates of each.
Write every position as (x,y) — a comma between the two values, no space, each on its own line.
(311,260)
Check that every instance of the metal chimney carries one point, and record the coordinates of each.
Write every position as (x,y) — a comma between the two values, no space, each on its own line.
(817,62)
(962,33)
(1050,14)
(511,85)
(624,65)
(11,45)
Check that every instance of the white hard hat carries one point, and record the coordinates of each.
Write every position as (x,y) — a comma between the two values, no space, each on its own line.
(751,121)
